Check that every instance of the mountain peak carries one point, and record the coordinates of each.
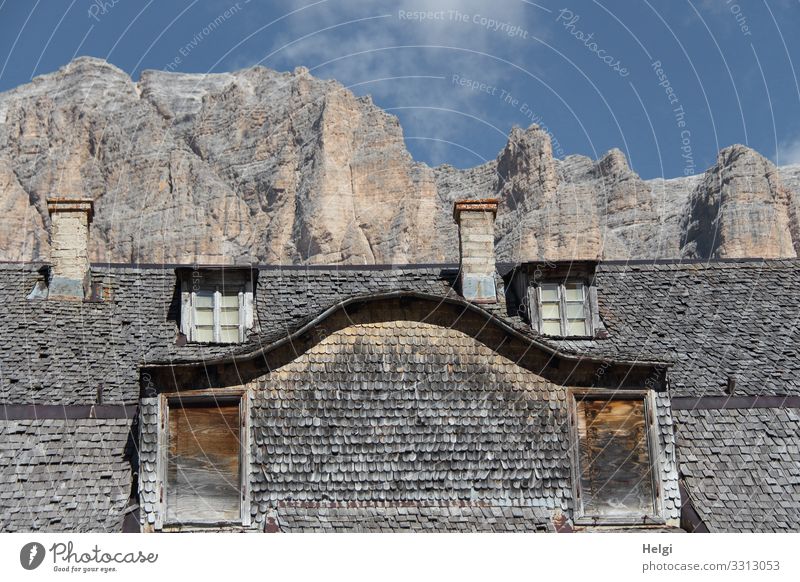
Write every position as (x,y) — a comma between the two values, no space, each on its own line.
(282,167)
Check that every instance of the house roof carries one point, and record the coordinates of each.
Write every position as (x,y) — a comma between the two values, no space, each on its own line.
(61,352)
(713,321)
(731,319)
(741,467)
(64,475)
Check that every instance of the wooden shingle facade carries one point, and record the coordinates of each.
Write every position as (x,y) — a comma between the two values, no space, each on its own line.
(379,399)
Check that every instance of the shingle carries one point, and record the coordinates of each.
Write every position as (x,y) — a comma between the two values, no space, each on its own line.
(726,319)
(75,467)
(741,484)
(422,517)
(735,319)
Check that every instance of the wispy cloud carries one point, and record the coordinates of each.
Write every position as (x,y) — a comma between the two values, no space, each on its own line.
(405,55)
(788,152)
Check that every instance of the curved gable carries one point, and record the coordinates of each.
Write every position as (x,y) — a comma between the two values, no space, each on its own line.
(282,346)
(405,411)
(400,412)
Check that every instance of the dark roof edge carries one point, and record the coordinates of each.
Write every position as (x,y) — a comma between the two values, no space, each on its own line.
(319,318)
(679,261)
(262,267)
(502,265)
(451,265)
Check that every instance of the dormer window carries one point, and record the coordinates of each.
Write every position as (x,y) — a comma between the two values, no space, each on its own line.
(563,309)
(216,305)
(217,314)
(557,299)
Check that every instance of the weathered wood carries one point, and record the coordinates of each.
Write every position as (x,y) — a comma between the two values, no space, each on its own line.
(732,402)
(594,311)
(187,318)
(246,459)
(203,473)
(614,458)
(66,412)
(161,462)
(532,303)
(690,519)
(248,317)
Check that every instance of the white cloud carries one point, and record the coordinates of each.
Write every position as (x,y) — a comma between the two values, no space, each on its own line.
(375,47)
(788,152)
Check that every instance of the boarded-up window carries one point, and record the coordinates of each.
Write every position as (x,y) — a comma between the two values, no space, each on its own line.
(614,466)
(203,466)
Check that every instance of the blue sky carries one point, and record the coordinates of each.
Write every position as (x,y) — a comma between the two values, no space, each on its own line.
(668,82)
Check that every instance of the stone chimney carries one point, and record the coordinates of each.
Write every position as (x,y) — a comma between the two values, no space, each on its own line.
(69,246)
(475,219)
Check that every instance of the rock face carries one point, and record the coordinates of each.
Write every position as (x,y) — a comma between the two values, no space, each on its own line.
(267,167)
(739,208)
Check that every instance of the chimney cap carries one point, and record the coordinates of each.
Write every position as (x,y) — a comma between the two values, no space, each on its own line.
(479,205)
(64,204)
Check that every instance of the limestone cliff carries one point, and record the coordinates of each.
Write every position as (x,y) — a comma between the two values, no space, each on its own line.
(274,167)
(740,208)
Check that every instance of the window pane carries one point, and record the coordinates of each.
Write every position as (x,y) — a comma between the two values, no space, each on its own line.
(577,327)
(204,298)
(229,334)
(230,298)
(551,328)
(573,292)
(229,316)
(550,311)
(203,317)
(204,333)
(548,292)
(575,310)
(614,458)
(203,478)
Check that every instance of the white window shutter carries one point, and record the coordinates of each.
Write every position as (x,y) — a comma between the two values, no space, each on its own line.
(596,325)
(217,305)
(248,305)
(587,311)
(533,308)
(187,318)
(241,315)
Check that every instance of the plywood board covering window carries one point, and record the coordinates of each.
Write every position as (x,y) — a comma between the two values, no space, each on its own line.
(614,464)
(204,462)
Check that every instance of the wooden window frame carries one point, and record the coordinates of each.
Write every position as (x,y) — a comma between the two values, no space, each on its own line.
(580,517)
(216,326)
(209,397)
(589,309)
(216,281)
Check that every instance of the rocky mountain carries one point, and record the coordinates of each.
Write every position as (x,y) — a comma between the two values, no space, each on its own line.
(267,167)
